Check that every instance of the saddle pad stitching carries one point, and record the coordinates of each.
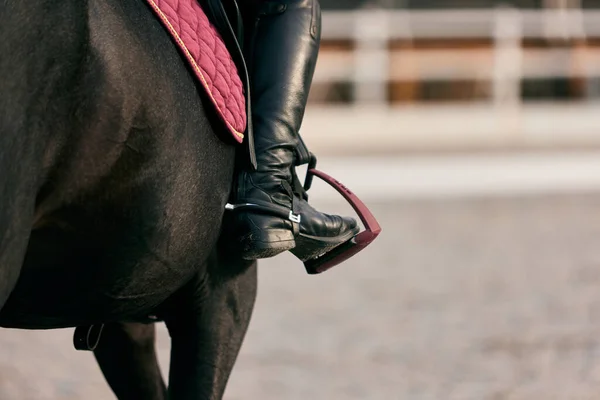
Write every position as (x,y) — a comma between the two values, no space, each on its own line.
(186,26)
(217,59)
(240,136)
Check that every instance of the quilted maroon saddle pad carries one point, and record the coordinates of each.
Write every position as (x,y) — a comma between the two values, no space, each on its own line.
(206,53)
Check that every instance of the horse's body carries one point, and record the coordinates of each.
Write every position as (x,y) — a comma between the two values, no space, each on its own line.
(112,190)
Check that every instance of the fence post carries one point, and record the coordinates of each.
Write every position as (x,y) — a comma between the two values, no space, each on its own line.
(508,57)
(371,56)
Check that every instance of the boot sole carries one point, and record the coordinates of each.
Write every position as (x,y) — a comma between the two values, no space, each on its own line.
(309,247)
(255,247)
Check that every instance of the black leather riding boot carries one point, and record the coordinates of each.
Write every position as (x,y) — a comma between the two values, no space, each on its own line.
(281,62)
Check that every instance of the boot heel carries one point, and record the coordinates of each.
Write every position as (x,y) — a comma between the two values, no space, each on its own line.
(265,242)
(257,250)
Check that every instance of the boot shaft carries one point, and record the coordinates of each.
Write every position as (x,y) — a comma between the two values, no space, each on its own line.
(281,54)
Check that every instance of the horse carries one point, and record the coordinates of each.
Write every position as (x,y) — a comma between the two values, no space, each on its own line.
(113,186)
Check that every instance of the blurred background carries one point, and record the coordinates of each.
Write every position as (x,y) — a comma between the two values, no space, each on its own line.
(472,130)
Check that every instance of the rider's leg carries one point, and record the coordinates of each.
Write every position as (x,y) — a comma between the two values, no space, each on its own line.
(281,60)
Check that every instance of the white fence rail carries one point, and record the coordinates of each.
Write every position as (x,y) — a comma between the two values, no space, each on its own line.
(504,120)
(371,31)
(552,23)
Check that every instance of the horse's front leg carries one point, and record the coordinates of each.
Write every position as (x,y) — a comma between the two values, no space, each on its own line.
(127,357)
(207,323)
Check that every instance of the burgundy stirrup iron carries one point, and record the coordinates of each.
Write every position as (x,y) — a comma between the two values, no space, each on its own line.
(339,253)
(353,246)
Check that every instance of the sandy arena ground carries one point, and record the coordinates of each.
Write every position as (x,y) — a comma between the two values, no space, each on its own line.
(459,299)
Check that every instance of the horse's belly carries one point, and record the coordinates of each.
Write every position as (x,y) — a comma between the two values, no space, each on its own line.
(58,302)
(69,279)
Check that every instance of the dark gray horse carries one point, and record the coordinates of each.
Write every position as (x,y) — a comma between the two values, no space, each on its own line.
(112,192)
